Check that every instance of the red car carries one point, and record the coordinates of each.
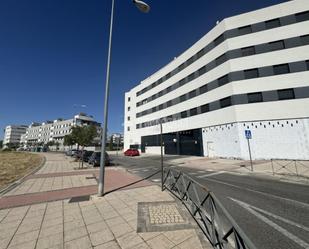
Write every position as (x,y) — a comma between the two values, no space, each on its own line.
(131,152)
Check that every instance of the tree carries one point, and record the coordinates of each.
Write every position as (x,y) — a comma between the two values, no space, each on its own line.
(68,140)
(83,136)
(1,144)
(111,143)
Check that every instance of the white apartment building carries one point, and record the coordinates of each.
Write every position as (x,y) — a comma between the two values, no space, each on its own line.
(249,73)
(13,133)
(56,130)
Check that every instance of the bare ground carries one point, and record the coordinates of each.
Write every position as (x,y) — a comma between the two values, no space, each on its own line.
(14,165)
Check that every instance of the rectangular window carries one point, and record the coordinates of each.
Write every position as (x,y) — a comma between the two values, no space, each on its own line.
(255,97)
(203,89)
(193,111)
(161,107)
(223,80)
(154,109)
(286,94)
(129,99)
(192,94)
(160,93)
(204,108)
(225,102)
(245,30)
(169,89)
(251,73)
(160,81)
(169,103)
(305,39)
(272,23)
(129,108)
(221,59)
(218,40)
(190,61)
(183,114)
(128,128)
(128,118)
(277,45)
(304,16)
(181,67)
(137,126)
(182,82)
(307,63)
(202,70)
(248,51)
(200,53)
(182,98)
(191,77)
(281,69)
(168,76)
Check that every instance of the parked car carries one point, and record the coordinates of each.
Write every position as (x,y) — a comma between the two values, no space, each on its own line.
(131,152)
(70,152)
(95,158)
(74,153)
(87,155)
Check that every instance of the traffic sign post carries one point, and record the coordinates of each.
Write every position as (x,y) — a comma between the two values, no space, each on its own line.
(248,137)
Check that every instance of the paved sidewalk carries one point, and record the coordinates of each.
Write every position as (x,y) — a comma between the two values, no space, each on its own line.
(109,222)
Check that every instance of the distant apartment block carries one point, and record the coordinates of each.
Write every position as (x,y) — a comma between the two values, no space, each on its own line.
(13,133)
(250,73)
(117,138)
(56,130)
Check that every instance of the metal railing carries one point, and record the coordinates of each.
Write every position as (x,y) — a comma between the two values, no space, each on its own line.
(291,167)
(216,223)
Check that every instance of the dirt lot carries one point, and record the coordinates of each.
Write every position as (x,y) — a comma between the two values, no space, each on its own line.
(14,165)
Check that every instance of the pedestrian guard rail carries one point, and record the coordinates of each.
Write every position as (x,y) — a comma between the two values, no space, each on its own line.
(291,167)
(214,220)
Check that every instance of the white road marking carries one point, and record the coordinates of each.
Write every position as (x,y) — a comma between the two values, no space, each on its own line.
(286,233)
(156,180)
(211,174)
(305,205)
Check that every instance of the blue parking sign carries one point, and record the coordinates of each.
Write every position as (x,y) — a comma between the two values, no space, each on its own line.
(248,134)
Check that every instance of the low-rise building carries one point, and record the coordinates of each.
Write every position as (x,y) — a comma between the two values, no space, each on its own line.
(13,133)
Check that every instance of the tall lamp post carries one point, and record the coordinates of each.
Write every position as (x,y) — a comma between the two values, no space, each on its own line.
(143,7)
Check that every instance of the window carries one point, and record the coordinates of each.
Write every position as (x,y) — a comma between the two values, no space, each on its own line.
(182,82)
(218,40)
(225,102)
(307,63)
(245,30)
(251,73)
(160,93)
(182,98)
(202,70)
(160,81)
(255,97)
(304,16)
(153,109)
(161,107)
(168,76)
(204,108)
(183,114)
(137,126)
(129,99)
(190,61)
(281,69)
(203,89)
(223,80)
(181,67)
(286,94)
(192,94)
(277,45)
(168,89)
(305,39)
(248,51)
(128,118)
(128,128)
(221,59)
(169,103)
(191,77)
(200,53)
(193,111)
(272,23)
(129,108)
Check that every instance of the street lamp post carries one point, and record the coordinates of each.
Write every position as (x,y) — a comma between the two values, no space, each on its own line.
(143,7)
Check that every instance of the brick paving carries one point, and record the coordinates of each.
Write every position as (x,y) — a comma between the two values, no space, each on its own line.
(105,222)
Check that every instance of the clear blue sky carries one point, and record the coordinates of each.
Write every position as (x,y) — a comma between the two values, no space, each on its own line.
(53,52)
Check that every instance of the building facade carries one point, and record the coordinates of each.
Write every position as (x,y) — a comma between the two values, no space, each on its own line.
(13,133)
(42,133)
(249,73)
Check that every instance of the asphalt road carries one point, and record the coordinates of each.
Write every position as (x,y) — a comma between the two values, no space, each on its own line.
(272,213)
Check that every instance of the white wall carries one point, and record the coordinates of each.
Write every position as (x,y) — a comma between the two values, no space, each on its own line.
(283,139)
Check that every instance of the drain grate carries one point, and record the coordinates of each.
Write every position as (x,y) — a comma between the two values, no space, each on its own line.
(79,198)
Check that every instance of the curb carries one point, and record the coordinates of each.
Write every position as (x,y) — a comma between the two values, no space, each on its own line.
(21,180)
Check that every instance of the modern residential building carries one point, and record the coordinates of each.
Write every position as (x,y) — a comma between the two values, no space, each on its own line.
(249,73)
(13,133)
(56,130)
(117,138)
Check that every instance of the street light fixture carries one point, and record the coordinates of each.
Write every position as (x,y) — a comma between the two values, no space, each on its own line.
(143,7)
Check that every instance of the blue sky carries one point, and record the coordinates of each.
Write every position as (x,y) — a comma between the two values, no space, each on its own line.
(53,52)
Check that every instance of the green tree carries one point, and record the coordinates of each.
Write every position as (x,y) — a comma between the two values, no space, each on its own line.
(83,136)
(68,140)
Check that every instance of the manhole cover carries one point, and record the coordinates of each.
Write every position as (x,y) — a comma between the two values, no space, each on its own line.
(161,216)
